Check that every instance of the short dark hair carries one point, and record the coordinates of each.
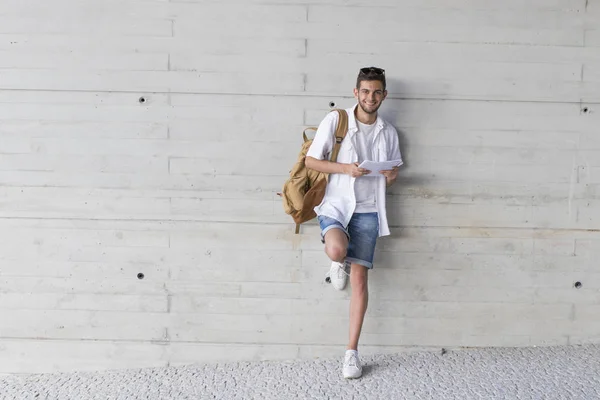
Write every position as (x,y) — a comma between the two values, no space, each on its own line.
(371,74)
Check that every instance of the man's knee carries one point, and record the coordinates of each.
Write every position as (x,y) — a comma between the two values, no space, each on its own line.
(335,251)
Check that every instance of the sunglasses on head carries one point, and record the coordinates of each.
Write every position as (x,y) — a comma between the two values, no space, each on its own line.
(372,70)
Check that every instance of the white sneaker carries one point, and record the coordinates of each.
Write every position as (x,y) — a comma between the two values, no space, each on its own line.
(338,277)
(352,368)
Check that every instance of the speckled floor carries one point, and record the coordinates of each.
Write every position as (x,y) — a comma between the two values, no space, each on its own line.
(566,372)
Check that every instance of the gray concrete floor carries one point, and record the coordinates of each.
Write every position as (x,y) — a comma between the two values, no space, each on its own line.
(565,372)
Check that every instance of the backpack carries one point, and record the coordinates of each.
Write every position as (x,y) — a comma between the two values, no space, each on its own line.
(305,188)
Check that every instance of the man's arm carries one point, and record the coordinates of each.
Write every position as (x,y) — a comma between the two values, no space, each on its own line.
(393,154)
(330,167)
(322,145)
(325,166)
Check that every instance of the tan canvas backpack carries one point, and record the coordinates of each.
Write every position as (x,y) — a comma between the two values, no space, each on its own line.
(305,188)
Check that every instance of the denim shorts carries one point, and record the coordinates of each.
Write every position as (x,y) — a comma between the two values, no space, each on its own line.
(362,233)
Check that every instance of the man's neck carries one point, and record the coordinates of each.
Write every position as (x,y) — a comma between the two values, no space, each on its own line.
(361,116)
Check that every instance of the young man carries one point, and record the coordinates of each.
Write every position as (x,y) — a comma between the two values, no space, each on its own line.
(352,214)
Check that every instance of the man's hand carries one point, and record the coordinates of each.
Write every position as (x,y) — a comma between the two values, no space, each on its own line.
(390,175)
(354,171)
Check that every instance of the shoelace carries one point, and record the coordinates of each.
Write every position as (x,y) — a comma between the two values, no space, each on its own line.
(342,270)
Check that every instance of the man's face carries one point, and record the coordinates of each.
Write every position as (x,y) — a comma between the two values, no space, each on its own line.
(370,95)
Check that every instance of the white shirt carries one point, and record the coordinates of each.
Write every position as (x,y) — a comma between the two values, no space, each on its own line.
(339,201)
(365,187)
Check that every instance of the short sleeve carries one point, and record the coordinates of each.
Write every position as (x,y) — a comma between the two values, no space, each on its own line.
(394,149)
(324,139)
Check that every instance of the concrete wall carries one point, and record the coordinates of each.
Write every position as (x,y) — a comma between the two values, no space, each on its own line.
(494,219)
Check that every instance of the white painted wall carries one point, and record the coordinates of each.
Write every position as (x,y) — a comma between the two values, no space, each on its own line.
(494,219)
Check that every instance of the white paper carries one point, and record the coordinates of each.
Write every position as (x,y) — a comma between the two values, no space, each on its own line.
(376,166)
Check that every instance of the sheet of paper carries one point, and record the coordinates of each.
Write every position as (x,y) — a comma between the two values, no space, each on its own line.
(376,166)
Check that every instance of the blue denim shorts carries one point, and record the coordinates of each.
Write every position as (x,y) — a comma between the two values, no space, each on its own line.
(362,233)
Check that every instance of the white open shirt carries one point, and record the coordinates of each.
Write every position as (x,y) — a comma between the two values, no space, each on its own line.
(339,201)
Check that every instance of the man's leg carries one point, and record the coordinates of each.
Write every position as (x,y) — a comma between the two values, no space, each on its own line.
(363,231)
(336,247)
(358,302)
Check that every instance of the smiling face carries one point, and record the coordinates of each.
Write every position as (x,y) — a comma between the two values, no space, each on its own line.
(370,95)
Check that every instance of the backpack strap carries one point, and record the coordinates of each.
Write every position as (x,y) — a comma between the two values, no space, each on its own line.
(340,133)
(310,128)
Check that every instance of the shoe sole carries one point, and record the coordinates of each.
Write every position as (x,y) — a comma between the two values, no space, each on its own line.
(338,288)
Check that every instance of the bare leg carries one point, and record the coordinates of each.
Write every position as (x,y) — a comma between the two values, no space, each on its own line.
(336,244)
(358,302)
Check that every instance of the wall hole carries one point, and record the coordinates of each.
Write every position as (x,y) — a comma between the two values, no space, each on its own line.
(140,276)
(331,104)
(142,100)
(585,110)
(578,285)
